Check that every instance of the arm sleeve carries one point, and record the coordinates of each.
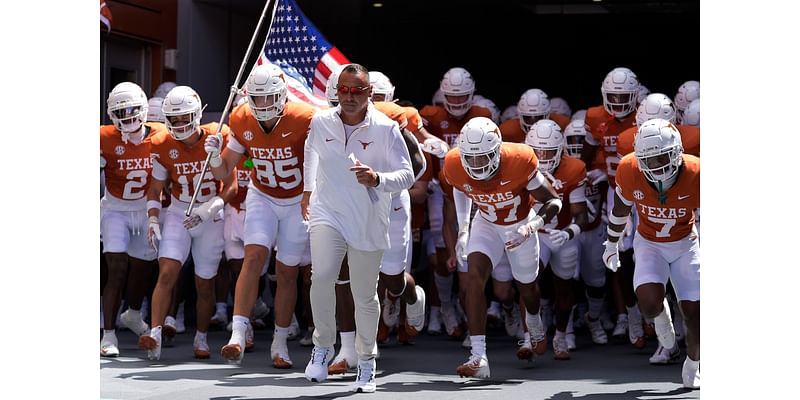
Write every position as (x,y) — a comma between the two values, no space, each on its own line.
(234,145)
(310,162)
(536,181)
(463,207)
(401,175)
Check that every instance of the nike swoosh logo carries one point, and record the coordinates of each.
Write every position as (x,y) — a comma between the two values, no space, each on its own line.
(504,183)
(683,197)
(286,134)
(398,208)
(328,140)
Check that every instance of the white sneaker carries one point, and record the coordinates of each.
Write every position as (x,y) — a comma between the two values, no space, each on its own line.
(621,327)
(200,348)
(279,353)
(365,378)
(512,321)
(435,322)
(691,374)
(560,349)
(294,329)
(665,356)
(596,330)
(390,311)
(169,330)
(635,328)
(317,368)
(152,343)
(450,319)
(133,320)
(233,352)
(525,350)
(475,367)
(109,346)
(415,313)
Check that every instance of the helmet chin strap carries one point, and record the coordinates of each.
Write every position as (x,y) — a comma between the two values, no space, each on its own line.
(663,186)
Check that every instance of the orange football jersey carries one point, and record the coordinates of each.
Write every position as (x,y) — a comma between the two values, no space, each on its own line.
(184,164)
(439,123)
(571,172)
(605,129)
(277,156)
(503,199)
(128,165)
(511,131)
(393,111)
(243,173)
(690,139)
(662,219)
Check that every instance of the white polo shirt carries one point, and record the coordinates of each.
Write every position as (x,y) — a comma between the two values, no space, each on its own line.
(338,200)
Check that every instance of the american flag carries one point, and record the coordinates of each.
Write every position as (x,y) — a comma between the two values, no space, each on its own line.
(297,47)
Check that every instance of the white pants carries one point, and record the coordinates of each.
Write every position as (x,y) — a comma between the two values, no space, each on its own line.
(397,258)
(328,249)
(233,232)
(489,239)
(204,241)
(126,232)
(679,261)
(563,261)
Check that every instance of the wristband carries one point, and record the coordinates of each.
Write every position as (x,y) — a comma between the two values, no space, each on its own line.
(617,220)
(153,204)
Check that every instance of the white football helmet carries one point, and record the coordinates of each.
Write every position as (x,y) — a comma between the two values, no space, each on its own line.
(690,90)
(267,81)
(658,150)
(547,141)
(127,108)
(655,105)
(642,93)
(479,145)
(479,100)
(692,114)
(154,112)
(330,86)
(457,82)
(181,101)
(164,88)
(532,106)
(574,135)
(619,91)
(580,114)
(560,106)
(381,85)
(509,113)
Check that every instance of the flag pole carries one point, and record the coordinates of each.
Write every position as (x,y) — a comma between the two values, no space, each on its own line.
(234,89)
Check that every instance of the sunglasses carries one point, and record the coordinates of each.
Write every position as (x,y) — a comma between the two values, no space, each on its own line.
(342,89)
